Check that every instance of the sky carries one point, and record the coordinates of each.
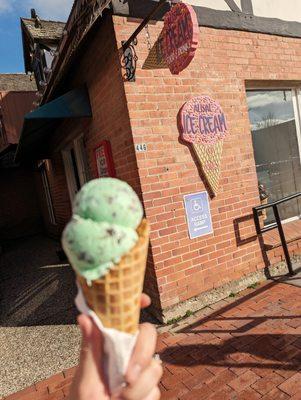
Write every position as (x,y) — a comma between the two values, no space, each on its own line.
(271,103)
(11,59)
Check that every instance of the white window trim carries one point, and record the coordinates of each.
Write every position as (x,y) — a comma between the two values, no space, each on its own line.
(297,103)
(47,193)
(71,183)
(81,164)
(296,97)
(76,144)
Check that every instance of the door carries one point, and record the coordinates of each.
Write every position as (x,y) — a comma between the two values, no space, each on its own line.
(76,170)
(275,125)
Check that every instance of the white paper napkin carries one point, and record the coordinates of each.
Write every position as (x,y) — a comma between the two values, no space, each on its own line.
(118,346)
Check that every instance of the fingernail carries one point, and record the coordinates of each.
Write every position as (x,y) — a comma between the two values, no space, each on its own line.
(158,358)
(135,372)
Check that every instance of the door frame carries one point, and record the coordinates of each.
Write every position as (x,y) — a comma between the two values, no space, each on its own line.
(77,145)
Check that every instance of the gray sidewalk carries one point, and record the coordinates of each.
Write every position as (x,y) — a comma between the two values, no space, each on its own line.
(38,335)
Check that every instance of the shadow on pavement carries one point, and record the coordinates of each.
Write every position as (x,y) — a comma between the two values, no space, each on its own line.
(260,352)
(35,287)
(260,330)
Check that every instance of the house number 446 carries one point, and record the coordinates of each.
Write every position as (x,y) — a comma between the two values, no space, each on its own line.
(141,147)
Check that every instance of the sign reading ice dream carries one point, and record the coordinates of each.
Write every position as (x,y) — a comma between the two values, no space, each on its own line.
(203,124)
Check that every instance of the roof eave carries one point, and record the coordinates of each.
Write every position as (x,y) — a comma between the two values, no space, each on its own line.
(26,37)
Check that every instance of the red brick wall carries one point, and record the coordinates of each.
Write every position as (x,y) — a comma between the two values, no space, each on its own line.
(146,111)
(20,214)
(224,61)
(99,68)
(14,105)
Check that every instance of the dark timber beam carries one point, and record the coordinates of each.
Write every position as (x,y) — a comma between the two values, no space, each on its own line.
(139,8)
(157,8)
(246,22)
(247,7)
(233,6)
(213,18)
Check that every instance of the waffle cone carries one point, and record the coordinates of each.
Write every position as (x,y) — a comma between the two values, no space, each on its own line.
(209,156)
(116,297)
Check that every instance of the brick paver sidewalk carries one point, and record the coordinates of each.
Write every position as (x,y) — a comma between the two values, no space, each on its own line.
(247,347)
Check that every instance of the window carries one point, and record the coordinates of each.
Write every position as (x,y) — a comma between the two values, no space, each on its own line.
(43,57)
(275,126)
(42,169)
(49,57)
(38,64)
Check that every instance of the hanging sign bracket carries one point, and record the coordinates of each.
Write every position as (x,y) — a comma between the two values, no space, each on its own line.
(146,20)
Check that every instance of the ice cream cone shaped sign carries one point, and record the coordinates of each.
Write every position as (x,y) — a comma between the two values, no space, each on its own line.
(203,124)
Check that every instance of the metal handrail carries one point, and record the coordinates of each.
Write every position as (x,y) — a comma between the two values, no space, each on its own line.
(277,224)
(291,197)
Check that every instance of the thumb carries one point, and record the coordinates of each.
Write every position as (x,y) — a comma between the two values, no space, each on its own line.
(91,354)
(89,379)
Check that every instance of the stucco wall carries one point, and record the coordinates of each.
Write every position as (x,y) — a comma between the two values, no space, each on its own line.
(289,10)
(215,4)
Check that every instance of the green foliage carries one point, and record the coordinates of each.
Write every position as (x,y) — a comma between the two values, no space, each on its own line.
(232,294)
(173,321)
(180,318)
(253,285)
(188,313)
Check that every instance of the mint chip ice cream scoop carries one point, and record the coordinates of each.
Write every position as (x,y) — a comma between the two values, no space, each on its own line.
(106,213)
(109,200)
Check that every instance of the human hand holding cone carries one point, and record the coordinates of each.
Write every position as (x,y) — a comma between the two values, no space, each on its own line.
(203,124)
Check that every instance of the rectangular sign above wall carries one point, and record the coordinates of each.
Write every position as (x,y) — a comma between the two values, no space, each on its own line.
(198,214)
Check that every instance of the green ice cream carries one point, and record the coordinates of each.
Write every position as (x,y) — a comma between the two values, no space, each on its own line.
(109,200)
(106,214)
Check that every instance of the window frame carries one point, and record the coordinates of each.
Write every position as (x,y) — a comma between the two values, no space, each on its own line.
(296,100)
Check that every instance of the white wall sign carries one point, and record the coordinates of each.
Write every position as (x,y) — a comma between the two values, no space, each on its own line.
(198,214)
(141,147)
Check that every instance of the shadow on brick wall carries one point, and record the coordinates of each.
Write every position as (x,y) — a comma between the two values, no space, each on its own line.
(243,239)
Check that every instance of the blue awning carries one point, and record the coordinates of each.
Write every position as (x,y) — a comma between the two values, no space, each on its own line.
(41,123)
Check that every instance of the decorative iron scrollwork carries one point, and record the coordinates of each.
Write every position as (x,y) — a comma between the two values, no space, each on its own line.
(129,61)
